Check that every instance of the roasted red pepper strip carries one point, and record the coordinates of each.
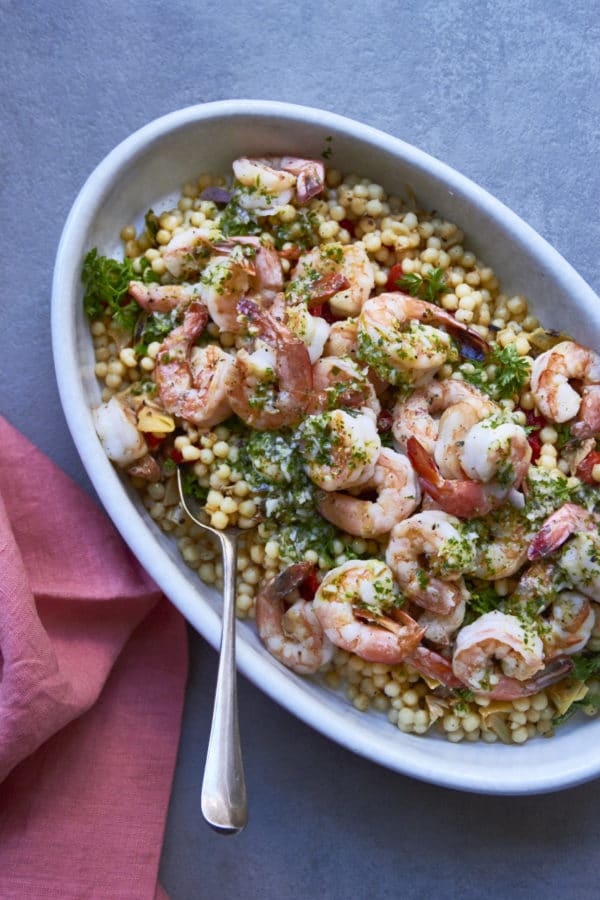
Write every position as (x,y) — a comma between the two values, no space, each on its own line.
(326,287)
(153,440)
(395,274)
(309,586)
(536,423)
(584,469)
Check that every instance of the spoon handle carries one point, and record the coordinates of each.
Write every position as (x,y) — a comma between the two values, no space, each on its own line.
(224,803)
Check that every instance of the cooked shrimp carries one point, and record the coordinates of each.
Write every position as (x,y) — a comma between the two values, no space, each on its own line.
(222,284)
(294,636)
(458,497)
(271,180)
(228,269)
(417,556)
(496,454)
(496,644)
(189,250)
(559,526)
(341,383)
(343,341)
(267,279)
(270,387)
(340,450)
(501,542)
(155,297)
(439,629)
(512,688)
(260,261)
(397,339)
(192,381)
(556,398)
(350,260)
(419,416)
(579,560)
(569,624)
(350,604)
(496,459)
(312,330)
(398,495)
(116,427)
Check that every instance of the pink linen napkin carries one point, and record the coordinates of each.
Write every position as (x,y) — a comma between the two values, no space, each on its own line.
(93,663)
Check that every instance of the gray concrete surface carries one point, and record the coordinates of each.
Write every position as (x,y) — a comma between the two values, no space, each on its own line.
(506,92)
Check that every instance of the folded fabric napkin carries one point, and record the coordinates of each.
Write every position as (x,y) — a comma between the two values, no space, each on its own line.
(93,663)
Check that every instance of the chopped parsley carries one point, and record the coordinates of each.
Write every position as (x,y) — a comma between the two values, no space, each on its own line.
(192,487)
(483,599)
(155,327)
(545,493)
(512,372)
(585,665)
(333,252)
(235,220)
(302,231)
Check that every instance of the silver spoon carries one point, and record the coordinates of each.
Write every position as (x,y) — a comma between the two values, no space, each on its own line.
(223,802)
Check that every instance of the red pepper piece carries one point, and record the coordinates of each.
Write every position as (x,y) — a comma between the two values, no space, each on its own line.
(584,469)
(309,586)
(176,456)
(153,440)
(327,287)
(349,226)
(536,423)
(323,311)
(395,274)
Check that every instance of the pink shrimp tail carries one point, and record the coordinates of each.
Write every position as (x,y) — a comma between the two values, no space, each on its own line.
(557,528)
(589,414)
(433,665)
(283,584)
(194,321)
(512,688)
(462,498)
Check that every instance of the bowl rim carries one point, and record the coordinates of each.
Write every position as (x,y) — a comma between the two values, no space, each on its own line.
(295,698)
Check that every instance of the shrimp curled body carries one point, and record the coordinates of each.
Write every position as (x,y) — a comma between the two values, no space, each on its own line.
(398,496)
(348,603)
(271,387)
(398,337)
(557,398)
(413,554)
(295,637)
(192,381)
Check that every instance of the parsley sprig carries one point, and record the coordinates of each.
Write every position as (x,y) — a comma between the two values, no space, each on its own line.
(512,372)
(427,287)
(585,665)
(106,284)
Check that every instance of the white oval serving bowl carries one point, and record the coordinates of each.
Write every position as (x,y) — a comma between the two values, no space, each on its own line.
(149,169)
